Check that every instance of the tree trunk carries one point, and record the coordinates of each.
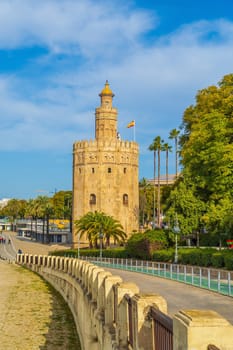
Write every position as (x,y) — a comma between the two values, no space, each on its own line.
(176,157)
(154,189)
(158,198)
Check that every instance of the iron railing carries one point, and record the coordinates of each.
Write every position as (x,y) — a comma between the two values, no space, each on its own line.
(212,347)
(162,329)
(220,281)
(130,319)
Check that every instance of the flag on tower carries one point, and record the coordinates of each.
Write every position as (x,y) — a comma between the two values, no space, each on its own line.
(131,124)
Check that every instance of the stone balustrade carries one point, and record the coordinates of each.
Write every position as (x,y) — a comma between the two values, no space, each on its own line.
(112,315)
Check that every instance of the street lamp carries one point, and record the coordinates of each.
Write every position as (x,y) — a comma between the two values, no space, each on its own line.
(176,230)
(221,235)
(78,245)
(101,243)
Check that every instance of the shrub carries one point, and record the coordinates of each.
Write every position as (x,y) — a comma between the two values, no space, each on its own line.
(194,257)
(143,245)
(66,252)
(228,260)
(115,253)
(217,260)
(184,256)
(106,253)
(165,255)
(205,257)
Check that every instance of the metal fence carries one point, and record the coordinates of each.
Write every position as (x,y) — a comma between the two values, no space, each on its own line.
(162,327)
(130,319)
(162,330)
(220,281)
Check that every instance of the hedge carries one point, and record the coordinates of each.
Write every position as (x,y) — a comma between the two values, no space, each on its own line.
(200,257)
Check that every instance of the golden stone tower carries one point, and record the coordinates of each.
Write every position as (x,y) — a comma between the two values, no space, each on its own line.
(105,170)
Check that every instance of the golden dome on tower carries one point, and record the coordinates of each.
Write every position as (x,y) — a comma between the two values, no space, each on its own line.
(106,90)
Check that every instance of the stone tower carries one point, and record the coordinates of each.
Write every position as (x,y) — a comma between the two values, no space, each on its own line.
(105,170)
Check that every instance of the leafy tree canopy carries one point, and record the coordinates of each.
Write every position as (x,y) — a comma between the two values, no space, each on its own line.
(14,209)
(206,145)
(184,205)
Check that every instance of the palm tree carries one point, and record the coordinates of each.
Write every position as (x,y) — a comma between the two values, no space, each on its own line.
(167,148)
(98,226)
(153,147)
(30,212)
(48,213)
(143,203)
(174,133)
(112,229)
(84,226)
(44,210)
(159,149)
(157,145)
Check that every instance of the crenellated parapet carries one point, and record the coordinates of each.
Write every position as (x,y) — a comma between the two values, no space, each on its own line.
(112,314)
(113,144)
(107,151)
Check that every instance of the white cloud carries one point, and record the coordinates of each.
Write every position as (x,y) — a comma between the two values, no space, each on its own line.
(82,26)
(153,81)
(206,33)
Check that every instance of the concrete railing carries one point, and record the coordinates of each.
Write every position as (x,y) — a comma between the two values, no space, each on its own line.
(100,304)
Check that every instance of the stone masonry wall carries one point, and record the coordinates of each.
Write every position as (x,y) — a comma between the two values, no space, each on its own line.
(99,302)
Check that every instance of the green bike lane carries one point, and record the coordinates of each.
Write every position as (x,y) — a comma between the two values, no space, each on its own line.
(179,296)
(217,284)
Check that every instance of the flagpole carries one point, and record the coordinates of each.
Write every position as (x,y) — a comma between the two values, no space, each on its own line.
(132,125)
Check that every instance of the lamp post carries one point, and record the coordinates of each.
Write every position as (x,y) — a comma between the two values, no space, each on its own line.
(221,235)
(78,245)
(176,230)
(101,243)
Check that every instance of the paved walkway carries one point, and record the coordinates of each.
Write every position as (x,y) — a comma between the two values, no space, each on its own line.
(179,295)
(18,331)
(9,251)
(33,315)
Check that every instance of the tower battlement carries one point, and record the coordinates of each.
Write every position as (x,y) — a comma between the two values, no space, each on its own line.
(116,144)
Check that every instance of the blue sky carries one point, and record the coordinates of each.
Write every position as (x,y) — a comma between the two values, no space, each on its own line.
(55,56)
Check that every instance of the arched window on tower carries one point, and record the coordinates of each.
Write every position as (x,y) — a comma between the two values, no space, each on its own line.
(92,198)
(125,199)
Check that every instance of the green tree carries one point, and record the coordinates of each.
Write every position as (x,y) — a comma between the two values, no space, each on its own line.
(207,141)
(146,192)
(31,213)
(143,246)
(15,209)
(62,203)
(218,218)
(93,224)
(187,206)
(153,148)
(208,154)
(157,146)
(174,133)
(44,209)
(167,148)
(202,196)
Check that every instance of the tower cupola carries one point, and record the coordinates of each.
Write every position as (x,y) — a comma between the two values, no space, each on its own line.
(106,96)
(106,116)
